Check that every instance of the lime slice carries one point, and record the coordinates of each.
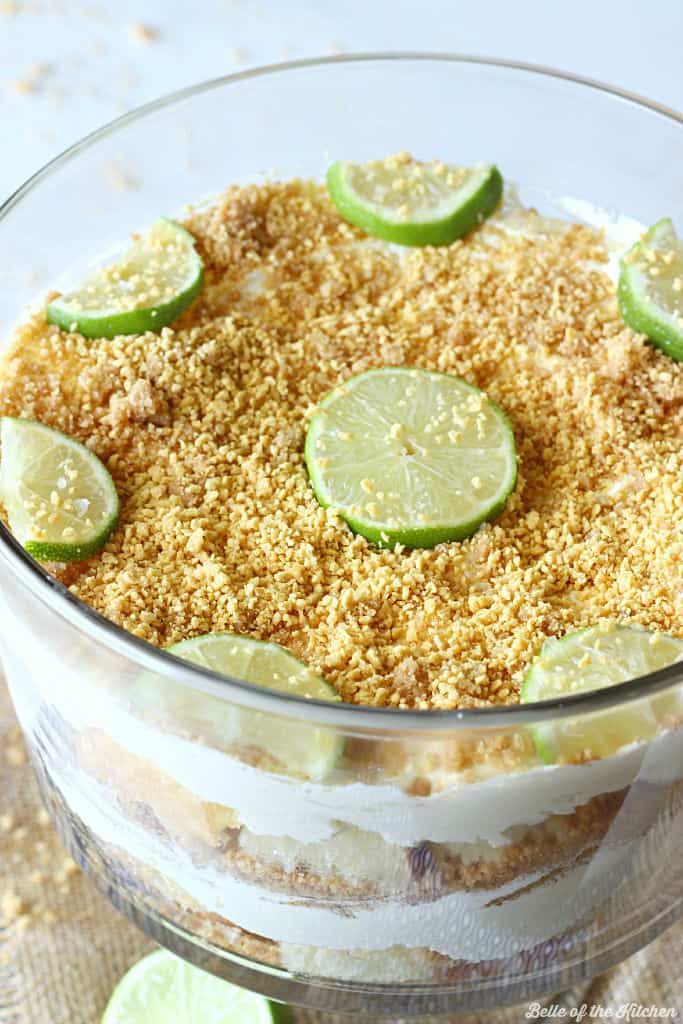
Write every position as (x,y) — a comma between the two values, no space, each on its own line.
(410,456)
(144,290)
(302,748)
(650,288)
(61,501)
(592,659)
(411,203)
(162,989)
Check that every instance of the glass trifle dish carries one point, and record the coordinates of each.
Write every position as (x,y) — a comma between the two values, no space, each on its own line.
(341,527)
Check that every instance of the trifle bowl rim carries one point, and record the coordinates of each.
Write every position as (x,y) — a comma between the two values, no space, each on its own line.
(67,605)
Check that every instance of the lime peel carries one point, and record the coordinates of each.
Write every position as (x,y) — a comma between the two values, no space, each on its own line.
(60,499)
(593,659)
(650,289)
(161,988)
(410,456)
(304,748)
(146,289)
(410,203)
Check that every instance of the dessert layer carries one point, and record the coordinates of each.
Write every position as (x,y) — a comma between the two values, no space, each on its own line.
(467,835)
(275,805)
(472,926)
(351,863)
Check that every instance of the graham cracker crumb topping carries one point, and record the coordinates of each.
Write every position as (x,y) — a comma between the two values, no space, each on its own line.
(203,425)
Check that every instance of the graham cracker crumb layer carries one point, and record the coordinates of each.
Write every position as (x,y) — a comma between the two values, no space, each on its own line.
(203,429)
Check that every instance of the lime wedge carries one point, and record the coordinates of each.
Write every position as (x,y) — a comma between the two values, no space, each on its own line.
(162,989)
(411,203)
(144,290)
(302,748)
(650,288)
(410,456)
(592,659)
(61,501)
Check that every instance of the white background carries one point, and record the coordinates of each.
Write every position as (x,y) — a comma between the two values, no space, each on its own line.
(68,66)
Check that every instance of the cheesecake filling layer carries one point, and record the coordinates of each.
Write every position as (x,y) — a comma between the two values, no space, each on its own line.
(470,926)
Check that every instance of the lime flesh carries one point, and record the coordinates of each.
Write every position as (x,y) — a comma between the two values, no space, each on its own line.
(302,748)
(410,203)
(650,289)
(61,501)
(410,456)
(161,989)
(593,659)
(144,290)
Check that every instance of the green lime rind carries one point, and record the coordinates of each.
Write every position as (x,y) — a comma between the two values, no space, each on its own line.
(282,1014)
(138,321)
(35,462)
(69,552)
(595,658)
(110,322)
(650,305)
(417,537)
(162,988)
(454,526)
(467,207)
(303,749)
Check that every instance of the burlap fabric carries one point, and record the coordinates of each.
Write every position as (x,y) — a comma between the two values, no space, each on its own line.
(62,948)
